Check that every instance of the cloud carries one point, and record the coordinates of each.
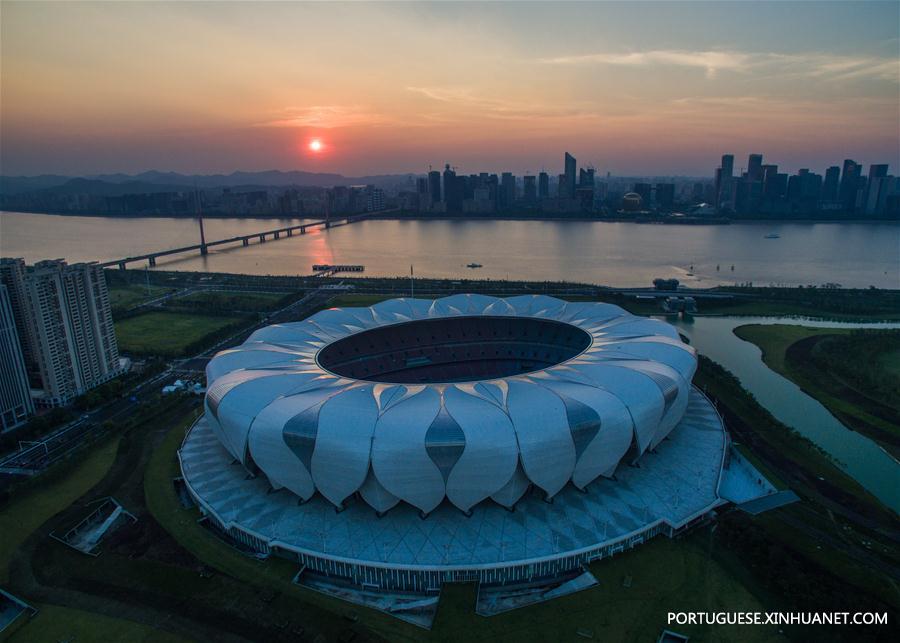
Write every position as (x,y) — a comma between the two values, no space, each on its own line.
(465,98)
(325,116)
(850,68)
(710,61)
(826,66)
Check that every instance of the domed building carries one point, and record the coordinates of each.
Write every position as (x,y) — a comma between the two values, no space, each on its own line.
(632,202)
(414,442)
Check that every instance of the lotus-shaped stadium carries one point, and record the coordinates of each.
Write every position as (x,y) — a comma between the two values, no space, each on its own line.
(417,441)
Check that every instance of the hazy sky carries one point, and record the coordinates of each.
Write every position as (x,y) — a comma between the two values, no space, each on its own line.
(635,88)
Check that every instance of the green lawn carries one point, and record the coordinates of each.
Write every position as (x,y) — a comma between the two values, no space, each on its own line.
(59,488)
(53,624)
(666,575)
(124,297)
(857,381)
(168,333)
(774,339)
(358,300)
(230,300)
(889,363)
(762,308)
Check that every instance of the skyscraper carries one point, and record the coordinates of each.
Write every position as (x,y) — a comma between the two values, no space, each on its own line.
(15,394)
(586,177)
(570,165)
(434,186)
(874,184)
(727,165)
(453,194)
(507,190)
(645,190)
(66,325)
(849,184)
(543,185)
(754,167)
(769,181)
(665,195)
(830,186)
(529,188)
(723,187)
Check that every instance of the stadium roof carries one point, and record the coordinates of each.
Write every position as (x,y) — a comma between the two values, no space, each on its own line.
(465,398)
(673,485)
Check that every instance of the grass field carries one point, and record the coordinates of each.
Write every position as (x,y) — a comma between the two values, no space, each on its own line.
(889,363)
(124,297)
(665,575)
(797,353)
(774,339)
(168,333)
(230,300)
(59,488)
(53,624)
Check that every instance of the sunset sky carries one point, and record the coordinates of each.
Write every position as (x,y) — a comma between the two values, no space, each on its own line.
(640,88)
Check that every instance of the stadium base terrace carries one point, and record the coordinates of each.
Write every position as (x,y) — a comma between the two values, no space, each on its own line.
(676,486)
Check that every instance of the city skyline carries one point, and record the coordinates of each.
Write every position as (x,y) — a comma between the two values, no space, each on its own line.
(647,89)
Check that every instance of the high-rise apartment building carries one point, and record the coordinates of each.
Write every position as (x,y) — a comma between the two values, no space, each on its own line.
(15,394)
(66,326)
(374,199)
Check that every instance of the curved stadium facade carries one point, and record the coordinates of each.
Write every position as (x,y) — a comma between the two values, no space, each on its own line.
(414,442)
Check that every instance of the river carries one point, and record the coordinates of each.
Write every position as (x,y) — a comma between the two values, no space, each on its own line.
(609,253)
(860,457)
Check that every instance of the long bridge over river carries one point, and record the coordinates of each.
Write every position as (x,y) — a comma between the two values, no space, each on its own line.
(245,239)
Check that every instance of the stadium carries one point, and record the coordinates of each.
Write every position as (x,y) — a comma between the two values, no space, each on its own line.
(393,448)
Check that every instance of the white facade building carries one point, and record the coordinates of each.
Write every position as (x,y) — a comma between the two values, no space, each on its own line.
(470,438)
(466,399)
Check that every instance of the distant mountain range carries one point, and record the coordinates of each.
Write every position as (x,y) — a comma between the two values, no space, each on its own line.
(153,181)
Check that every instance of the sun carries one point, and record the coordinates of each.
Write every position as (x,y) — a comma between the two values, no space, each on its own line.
(315,145)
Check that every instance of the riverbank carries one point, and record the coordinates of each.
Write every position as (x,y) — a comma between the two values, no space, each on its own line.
(839,531)
(461,216)
(849,372)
